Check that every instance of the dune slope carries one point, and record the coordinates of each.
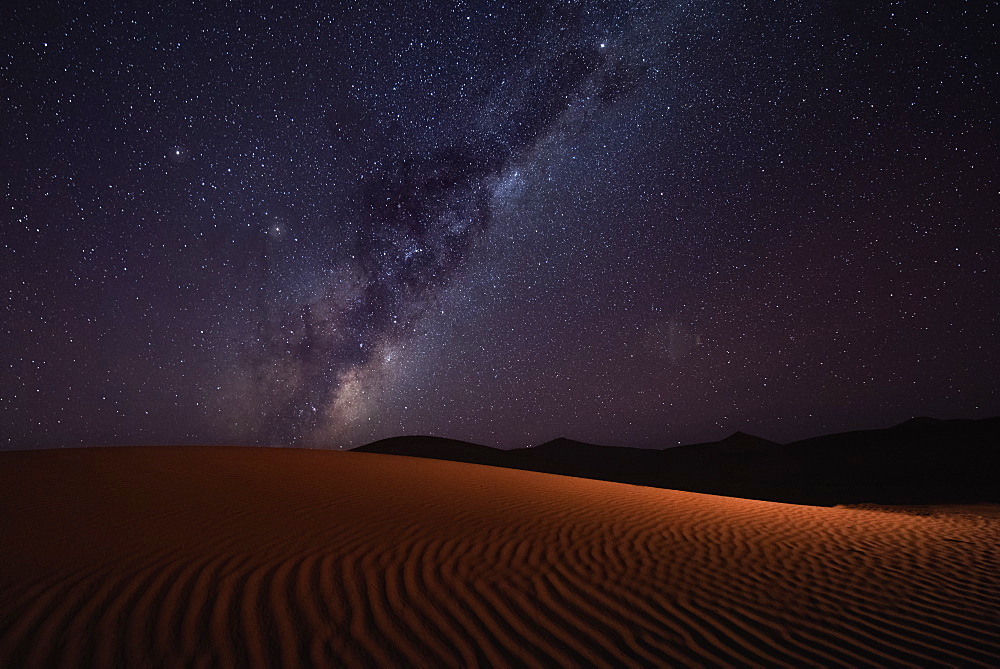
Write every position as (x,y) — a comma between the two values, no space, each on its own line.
(921,461)
(259,557)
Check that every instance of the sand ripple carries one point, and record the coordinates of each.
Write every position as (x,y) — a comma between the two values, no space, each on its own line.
(265,557)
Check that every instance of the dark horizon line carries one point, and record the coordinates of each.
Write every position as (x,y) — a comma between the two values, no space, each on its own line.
(736,433)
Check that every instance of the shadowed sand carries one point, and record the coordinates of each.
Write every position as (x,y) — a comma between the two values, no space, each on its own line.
(195,556)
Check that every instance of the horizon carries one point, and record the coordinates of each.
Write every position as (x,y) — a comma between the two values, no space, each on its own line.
(337,448)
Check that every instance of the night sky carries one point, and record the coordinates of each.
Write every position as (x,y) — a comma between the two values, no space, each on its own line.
(631,223)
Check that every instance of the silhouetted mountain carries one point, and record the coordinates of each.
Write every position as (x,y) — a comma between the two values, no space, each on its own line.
(581,455)
(923,460)
(738,445)
(438,448)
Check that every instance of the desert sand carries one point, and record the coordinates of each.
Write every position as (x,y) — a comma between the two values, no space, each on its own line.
(194,556)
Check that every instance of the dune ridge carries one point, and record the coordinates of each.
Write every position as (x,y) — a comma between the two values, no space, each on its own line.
(195,556)
(921,461)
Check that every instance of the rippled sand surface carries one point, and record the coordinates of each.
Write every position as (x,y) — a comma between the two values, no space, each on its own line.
(195,556)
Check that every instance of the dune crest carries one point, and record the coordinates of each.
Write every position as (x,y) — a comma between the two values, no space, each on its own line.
(197,556)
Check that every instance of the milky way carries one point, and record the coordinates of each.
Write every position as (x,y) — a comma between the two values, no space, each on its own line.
(417,223)
(635,223)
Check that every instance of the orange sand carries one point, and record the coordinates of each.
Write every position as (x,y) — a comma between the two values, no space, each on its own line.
(264,557)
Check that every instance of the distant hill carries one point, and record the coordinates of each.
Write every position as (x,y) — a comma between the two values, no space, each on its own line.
(921,461)
(589,456)
(437,448)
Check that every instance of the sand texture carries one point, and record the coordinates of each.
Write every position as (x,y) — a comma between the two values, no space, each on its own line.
(196,556)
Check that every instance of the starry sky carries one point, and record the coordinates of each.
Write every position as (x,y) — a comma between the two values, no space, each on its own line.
(631,223)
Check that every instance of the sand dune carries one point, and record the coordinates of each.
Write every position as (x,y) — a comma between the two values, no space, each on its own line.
(266,557)
(921,461)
